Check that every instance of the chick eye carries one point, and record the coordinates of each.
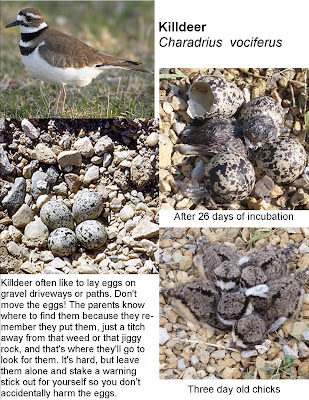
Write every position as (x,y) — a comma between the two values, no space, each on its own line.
(28,19)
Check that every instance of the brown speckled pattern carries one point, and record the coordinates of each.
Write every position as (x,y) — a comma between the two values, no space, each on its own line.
(231,177)
(283,161)
(227,97)
(263,106)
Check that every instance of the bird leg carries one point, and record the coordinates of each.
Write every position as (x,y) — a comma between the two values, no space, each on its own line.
(64,97)
(57,99)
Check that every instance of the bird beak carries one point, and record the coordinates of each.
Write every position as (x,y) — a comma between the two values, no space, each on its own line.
(15,23)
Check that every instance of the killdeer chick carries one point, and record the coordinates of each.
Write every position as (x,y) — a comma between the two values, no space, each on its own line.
(283,301)
(200,298)
(249,330)
(233,306)
(273,262)
(226,276)
(253,281)
(213,254)
(55,57)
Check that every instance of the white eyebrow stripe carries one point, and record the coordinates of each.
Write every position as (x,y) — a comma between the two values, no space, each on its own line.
(33,15)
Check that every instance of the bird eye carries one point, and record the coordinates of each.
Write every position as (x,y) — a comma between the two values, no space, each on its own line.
(28,19)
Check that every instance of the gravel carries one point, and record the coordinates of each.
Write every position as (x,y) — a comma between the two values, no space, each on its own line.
(57,160)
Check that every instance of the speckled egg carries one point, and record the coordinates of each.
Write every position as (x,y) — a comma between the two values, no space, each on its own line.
(212,96)
(62,242)
(263,106)
(282,160)
(231,177)
(91,234)
(87,205)
(56,215)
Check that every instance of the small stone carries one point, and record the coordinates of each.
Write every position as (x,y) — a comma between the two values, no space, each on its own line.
(5,166)
(28,267)
(152,139)
(51,270)
(142,171)
(73,182)
(264,347)
(39,184)
(303,350)
(178,127)
(92,174)
(165,153)
(218,354)
(30,130)
(263,187)
(249,353)
(163,336)
(61,189)
(276,192)
(103,145)
(305,335)
(126,213)
(14,234)
(44,154)
(303,370)
(298,329)
(178,103)
(87,269)
(181,364)
(35,234)
(23,216)
(145,230)
(167,107)
(14,249)
(57,263)
(260,365)
(288,351)
(46,256)
(70,157)
(16,196)
(84,146)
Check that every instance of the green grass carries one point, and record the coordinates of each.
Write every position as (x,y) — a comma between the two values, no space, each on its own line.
(285,368)
(119,28)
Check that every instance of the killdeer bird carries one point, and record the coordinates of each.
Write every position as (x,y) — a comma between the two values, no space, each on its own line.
(55,57)
(199,299)
(249,331)
(233,306)
(213,254)
(227,275)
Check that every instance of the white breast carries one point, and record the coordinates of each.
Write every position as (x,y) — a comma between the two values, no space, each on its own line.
(71,76)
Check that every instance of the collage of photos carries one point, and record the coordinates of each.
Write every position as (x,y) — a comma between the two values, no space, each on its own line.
(86,167)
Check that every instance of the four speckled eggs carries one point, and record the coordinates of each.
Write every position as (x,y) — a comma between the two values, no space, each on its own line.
(90,233)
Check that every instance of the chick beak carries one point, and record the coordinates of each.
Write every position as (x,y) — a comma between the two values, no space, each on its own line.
(15,23)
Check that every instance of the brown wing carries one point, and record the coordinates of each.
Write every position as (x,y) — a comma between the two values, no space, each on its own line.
(62,48)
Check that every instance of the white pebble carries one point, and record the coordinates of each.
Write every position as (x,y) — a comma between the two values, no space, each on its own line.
(152,139)
(163,336)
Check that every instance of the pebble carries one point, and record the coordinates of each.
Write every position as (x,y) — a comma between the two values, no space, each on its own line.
(152,139)
(84,146)
(39,184)
(218,354)
(36,234)
(51,270)
(288,351)
(103,145)
(30,130)
(14,233)
(163,336)
(15,250)
(142,172)
(298,329)
(5,166)
(55,214)
(303,350)
(44,154)
(145,230)
(91,234)
(16,196)
(73,182)
(87,205)
(126,213)
(181,365)
(23,216)
(305,335)
(92,174)
(70,157)
(62,242)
